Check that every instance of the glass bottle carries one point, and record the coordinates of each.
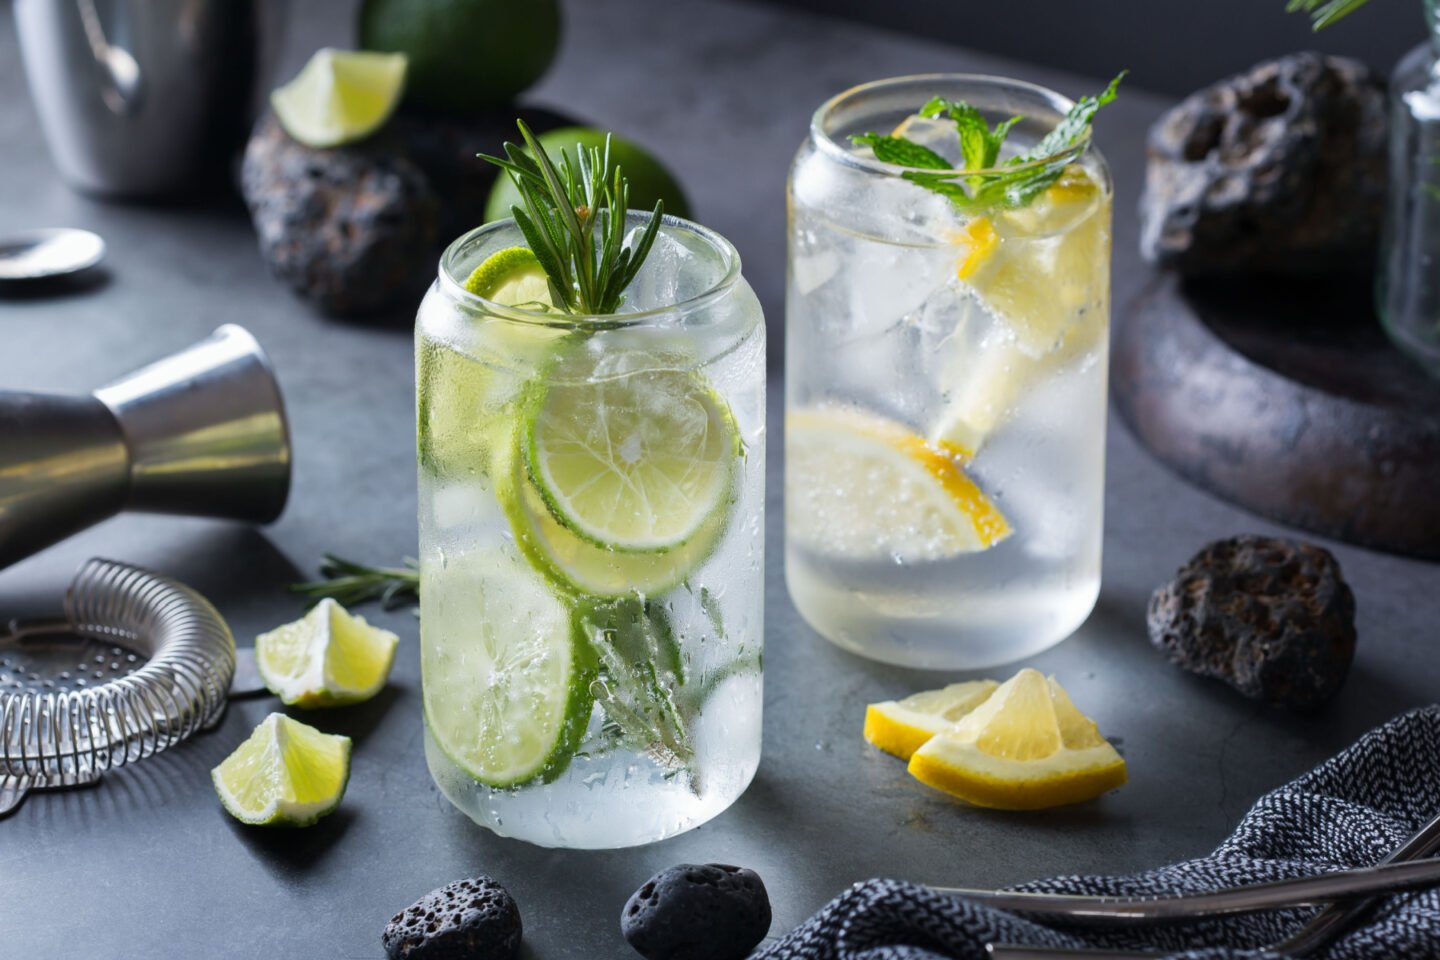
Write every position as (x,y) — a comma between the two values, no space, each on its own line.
(1408,287)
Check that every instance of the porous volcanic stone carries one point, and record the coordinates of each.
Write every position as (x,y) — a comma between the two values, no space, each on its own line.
(463,920)
(1279,170)
(353,229)
(1272,618)
(697,912)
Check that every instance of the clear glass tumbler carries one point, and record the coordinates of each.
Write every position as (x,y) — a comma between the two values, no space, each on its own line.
(945,387)
(592,547)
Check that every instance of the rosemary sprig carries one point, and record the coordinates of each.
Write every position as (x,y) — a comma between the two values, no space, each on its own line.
(350,583)
(573,219)
(1325,12)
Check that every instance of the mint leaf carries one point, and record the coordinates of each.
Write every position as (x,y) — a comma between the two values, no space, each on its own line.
(902,152)
(1074,126)
(979,145)
(1016,182)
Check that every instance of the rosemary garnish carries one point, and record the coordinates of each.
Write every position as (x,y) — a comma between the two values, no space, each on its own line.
(573,219)
(350,583)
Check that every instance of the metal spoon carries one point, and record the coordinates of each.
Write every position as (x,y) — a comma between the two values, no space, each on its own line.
(54,252)
(121,91)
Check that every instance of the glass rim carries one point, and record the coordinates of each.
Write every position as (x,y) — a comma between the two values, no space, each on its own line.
(724,249)
(1057,101)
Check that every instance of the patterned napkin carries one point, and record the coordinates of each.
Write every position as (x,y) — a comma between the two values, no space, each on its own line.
(1350,811)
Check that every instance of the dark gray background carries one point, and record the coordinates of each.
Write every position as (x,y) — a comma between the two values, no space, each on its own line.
(147,865)
(1173,46)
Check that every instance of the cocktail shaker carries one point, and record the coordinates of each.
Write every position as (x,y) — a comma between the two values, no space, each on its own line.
(200,432)
(145,98)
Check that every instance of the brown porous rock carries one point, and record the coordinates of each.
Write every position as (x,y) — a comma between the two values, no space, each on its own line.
(1272,618)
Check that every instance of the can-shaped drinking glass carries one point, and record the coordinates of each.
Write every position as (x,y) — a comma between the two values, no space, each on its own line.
(945,381)
(591,494)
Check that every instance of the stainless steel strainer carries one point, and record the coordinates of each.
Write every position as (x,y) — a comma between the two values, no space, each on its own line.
(139,663)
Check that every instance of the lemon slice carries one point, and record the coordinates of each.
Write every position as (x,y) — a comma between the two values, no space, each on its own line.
(286,774)
(1043,270)
(340,96)
(1050,280)
(506,671)
(1025,748)
(861,487)
(902,726)
(629,449)
(327,658)
(512,277)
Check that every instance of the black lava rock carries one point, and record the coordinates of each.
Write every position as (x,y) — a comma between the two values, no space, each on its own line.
(1280,170)
(352,228)
(1272,618)
(697,912)
(465,920)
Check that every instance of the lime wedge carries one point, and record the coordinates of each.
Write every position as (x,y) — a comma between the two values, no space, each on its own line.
(286,774)
(512,277)
(506,670)
(629,449)
(340,96)
(327,658)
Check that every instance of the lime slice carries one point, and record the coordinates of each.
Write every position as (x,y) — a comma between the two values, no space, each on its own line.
(340,96)
(286,774)
(506,669)
(579,566)
(512,277)
(472,371)
(629,449)
(327,658)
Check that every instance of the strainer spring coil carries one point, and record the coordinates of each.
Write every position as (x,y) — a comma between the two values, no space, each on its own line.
(59,738)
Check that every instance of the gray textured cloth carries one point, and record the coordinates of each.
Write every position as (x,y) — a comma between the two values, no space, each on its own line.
(1349,812)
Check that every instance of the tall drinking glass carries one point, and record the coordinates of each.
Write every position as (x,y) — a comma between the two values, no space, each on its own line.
(592,547)
(945,386)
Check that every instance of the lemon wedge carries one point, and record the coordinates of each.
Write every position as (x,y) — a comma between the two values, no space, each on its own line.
(858,486)
(1026,747)
(327,658)
(285,774)
(903,726)
(1043,270)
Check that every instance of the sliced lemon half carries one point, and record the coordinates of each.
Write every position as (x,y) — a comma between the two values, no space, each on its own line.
(902,726)
(340,96)
(327,658)
(1025,748)
(286,774)
(858,486)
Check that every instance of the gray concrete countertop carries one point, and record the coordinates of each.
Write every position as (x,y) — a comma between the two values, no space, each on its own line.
(147,865)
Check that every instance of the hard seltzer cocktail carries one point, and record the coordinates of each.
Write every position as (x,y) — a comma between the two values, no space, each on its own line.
(591,542)
(946,374)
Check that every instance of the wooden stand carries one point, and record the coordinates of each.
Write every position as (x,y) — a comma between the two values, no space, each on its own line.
(1286,398)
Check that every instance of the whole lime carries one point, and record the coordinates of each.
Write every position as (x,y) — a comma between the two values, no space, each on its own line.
(465,55)
(649,180)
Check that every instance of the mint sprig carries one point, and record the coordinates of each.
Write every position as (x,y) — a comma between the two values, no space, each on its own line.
(1014,183)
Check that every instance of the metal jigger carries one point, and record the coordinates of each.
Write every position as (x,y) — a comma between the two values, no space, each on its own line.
(201,432)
